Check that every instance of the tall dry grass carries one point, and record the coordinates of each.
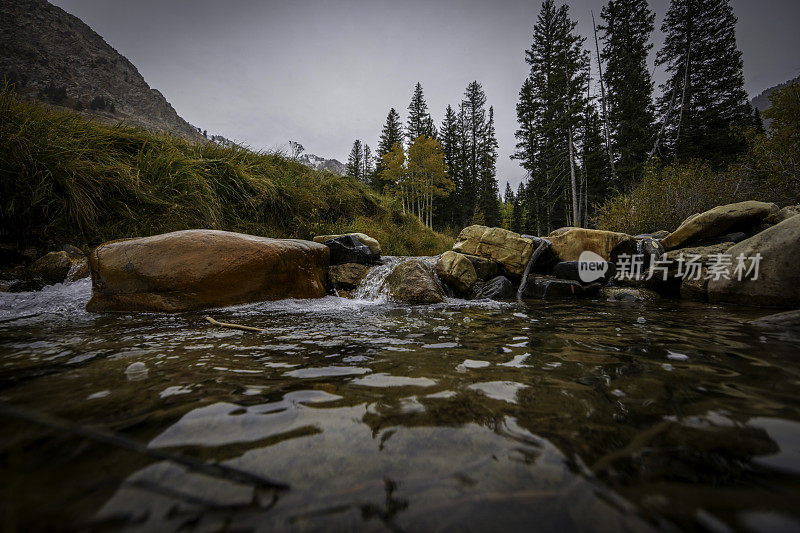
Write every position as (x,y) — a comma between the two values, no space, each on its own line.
(63,177)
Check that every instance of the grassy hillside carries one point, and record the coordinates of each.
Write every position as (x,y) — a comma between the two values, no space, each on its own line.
(66,179)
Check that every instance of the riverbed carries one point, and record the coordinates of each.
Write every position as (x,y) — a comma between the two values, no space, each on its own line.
(467,416)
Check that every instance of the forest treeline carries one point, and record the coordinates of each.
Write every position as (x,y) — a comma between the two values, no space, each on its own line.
(589,146)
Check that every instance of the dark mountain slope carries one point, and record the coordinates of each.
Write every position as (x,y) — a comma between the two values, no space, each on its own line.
(52,56)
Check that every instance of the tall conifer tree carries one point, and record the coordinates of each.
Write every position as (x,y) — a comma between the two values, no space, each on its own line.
(552,102)
(595,167)
(391,135)
(449,212)
(704,96)
(419,119)
(489,195)
(368,165)
(355,163)
(628,25)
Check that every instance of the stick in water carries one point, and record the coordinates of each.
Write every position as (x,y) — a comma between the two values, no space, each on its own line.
(232,326)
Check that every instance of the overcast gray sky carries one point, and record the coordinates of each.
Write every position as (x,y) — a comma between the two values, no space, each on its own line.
(326,72)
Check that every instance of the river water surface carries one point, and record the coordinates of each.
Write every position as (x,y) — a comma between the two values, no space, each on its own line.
(461,416)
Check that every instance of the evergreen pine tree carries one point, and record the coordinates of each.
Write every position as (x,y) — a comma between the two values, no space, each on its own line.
(631,114)
(550,112)
(419,119)
(758,122)
(355,163)
(466,205)
(704,94)
(594,162)
(519,214)
(508,197)
(391,135)
(368,165)
(489,195)
(476,161)
(448,215)
(527,151)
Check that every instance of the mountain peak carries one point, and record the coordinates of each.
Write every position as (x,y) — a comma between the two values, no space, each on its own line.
(320,163)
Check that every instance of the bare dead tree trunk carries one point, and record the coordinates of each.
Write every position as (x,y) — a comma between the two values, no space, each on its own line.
(576,216)
(683,93)
(605,109)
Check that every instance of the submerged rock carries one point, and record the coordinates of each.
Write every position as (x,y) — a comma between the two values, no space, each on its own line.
(778,283)
(569,245)
(348,249)
(199,269)
(413,281)
(136,371)
(626,294)
(542,287)
(787,319)
(347,276)
(718,221)
(373,245)
(455,269)
(505,247)
(498,288)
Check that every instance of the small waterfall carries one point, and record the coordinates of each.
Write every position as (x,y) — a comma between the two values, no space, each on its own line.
(373,288)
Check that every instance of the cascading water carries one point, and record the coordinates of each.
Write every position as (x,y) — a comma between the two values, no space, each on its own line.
(373,287)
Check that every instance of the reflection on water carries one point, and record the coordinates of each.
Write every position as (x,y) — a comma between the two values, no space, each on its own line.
(462,415)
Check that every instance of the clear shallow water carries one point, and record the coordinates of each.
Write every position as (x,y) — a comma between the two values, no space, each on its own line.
(470,416)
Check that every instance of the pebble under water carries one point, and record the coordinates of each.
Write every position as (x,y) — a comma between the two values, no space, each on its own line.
(461,416)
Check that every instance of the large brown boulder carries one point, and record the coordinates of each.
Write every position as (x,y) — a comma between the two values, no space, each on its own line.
(778,283)
(718,221)
(457,270)
(505,247)
(198,269)
(414,282)
(568,245)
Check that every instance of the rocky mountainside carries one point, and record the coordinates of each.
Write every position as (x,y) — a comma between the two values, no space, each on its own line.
(320,163)
(52,56)
(761,102)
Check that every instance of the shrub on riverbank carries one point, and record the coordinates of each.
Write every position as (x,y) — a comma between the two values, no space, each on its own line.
(769,171)
(63,177)
(668,195)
